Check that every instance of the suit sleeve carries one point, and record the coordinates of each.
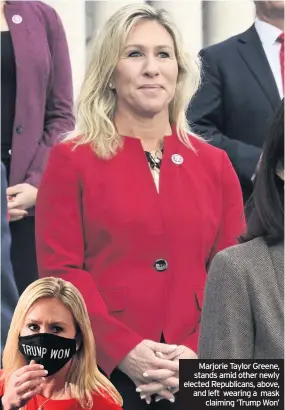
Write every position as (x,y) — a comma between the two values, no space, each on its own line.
(9,292)
(59,104)
(60,252)
(227,327)
(232,223)
(206,115)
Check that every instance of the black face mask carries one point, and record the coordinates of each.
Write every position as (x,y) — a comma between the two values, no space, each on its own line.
(52,351)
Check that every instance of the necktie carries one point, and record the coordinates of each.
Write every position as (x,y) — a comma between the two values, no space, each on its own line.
(281,39)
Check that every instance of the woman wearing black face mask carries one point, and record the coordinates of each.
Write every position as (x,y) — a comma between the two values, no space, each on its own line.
(49,361)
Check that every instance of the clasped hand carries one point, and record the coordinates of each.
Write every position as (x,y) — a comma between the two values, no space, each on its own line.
(154,368)
(20,197)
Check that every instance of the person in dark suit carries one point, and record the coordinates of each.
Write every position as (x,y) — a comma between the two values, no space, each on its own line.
(9,293)
(243,314)
(241,89)
(37,101)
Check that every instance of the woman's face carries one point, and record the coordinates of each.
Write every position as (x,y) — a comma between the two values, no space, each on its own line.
(49,315)
(146,75)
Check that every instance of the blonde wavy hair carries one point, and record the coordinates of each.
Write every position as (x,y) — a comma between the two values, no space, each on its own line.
(96,104)
(84,377)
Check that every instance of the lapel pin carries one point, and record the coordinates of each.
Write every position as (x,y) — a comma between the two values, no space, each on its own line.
(17,19)
(177,159)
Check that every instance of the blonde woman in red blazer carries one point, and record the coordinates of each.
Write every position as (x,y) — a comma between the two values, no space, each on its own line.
(132,207)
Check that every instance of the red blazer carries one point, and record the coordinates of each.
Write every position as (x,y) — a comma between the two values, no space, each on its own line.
(102,225)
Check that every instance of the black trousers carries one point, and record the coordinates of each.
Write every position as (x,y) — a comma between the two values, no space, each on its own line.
(23,252)
(131,398)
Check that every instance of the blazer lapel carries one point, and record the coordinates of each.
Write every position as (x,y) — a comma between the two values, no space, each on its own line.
(17,22)
(251,50)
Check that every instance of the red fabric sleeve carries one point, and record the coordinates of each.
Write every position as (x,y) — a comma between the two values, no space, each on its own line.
(233,220)
(60,253)
(231,227)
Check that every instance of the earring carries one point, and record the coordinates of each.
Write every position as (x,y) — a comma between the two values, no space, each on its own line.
(111,86)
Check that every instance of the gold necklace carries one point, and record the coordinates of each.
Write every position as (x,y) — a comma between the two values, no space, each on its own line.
(41,406)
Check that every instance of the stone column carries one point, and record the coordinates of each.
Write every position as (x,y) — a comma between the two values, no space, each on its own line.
(72,14)
(188,18)
(102,10)
(223,19)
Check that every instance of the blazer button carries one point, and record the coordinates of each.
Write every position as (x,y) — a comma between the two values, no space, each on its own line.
(160,265)
(19,129)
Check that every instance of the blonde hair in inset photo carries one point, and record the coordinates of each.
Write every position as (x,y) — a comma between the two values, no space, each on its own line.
(84,377)
(96,104)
